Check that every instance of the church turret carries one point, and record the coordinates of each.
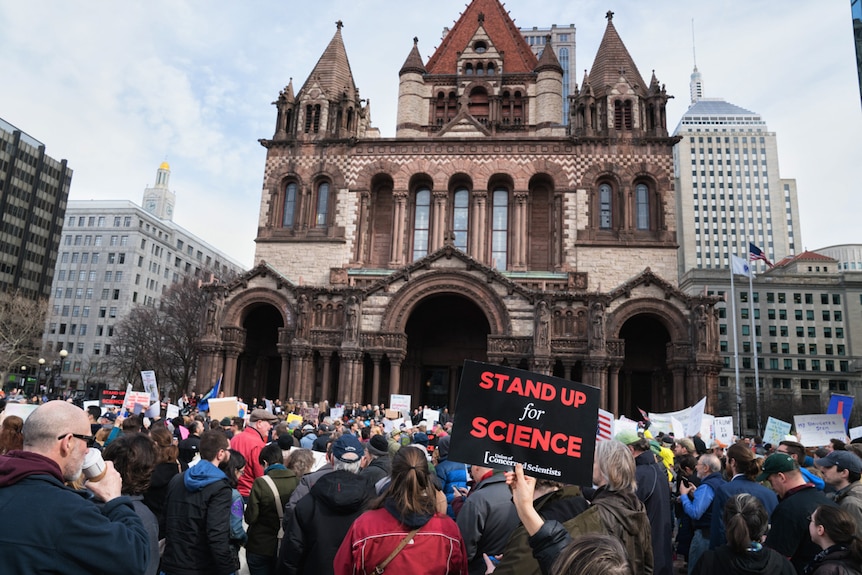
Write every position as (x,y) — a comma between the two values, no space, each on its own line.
(412,106)
(285,124)
(328,104)
(549,89)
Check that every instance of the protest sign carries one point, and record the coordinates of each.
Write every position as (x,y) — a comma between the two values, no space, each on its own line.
(706,428)
(336,413)
(690,418)
(150,385)
(817,429)
(223,407)
(431,416)
(625,424)
(172,411)
(291,417)
(390,424)
(392,414)
(724,429)
(22,410)
(137,401)
(855,432)
(605,428)
(508,416)
(309,414)
(400,403)
(112,398)
(842,405)
(775,431)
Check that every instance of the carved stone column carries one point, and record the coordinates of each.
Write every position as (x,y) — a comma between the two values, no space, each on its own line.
(376,356)
(395,361)
(557,248)
(597,376)
(518,232)
(363,237)
(326,384)
(614,388)
(300,373)
(350,376)
(439,222)
(477,241)
(284,351)
(396,258)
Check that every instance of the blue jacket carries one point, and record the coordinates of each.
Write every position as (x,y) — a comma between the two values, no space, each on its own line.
(47,526)
(739,484)
(700,509)
(452,475)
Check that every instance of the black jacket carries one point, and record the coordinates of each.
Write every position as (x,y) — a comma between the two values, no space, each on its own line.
(197,519)
(320,522)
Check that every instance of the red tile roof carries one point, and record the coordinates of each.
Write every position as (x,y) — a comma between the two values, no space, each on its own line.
(501,30)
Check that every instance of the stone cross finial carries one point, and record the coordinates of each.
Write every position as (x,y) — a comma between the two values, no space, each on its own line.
(481,17)
(415,40)
(339,24)
(609,15)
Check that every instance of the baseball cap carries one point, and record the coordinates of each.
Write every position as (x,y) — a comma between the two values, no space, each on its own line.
(843,459)
(627,437)
(777,463)
(686,444)
(347,448)
(262,415)
(225,421)
(307,427)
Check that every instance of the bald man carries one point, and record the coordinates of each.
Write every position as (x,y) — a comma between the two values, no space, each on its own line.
(52,527)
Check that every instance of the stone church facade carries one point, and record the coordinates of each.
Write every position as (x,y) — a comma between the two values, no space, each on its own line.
(485,229)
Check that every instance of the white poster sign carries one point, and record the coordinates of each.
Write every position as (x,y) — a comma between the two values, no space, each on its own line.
(855,432)
(150,385)
(816,430)
(173,411)
(390,424)
(690,418)
(625,424)
(336,413)
(775,431)
(22,410)
(707,432)
(432,416)
(724,429)
(400,403)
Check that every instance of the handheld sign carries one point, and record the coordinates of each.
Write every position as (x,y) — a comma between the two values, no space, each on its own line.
(508,416)
(817,429)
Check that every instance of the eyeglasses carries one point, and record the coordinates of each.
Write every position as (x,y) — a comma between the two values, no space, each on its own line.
(90,439)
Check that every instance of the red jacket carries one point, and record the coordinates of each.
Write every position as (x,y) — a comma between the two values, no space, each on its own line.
(436,549)
(249,443)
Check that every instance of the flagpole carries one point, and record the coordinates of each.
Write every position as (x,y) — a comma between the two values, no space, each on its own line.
(735,350)
(754,341)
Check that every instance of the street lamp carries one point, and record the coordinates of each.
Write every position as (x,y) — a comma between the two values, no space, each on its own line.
(41,362)
(58,376)
(24,389)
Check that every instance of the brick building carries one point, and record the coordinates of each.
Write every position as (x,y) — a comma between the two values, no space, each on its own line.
(486,229)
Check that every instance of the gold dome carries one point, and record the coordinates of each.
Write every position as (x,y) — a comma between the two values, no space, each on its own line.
(165,166)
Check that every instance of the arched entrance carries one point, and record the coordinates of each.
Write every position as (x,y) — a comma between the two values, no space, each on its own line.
(644,380)
(259,365)
(442,331)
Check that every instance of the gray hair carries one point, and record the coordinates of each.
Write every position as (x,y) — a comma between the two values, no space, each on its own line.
(351,466)
(711,461)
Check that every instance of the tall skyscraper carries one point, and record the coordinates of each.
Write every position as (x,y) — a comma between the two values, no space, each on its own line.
(33,192)
(728,186)
(114,255)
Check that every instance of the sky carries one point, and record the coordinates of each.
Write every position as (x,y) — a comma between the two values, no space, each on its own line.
(118,87)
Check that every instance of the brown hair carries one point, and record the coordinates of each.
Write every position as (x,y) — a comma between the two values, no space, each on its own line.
(840,527)
(166,450)
(593,554)
(411,490)
(134,457)
(745,520)
(10,434)
(746,463)
(300,461)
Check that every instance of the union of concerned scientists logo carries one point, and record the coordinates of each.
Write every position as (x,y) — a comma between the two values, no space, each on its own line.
(509,461)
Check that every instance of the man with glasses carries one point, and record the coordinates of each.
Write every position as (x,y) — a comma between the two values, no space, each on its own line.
(842,471)
(52,527)
(697,504)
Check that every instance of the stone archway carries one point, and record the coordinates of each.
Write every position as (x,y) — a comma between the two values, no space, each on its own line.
(259,364)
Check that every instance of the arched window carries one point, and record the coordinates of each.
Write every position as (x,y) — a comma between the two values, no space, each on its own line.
(322,212)
(480,69)
(490,68)
(468,69)
(289,212)
(421,223)
(478,106)
(642,206)
(605,206)
(460,217)
(499,228)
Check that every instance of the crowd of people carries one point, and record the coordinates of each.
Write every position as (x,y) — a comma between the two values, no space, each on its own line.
(290,489)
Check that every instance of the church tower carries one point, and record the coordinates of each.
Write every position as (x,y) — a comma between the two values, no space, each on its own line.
(159,200)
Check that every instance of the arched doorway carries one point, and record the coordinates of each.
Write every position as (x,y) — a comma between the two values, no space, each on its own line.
(442,331)
(645,381)
(259,365)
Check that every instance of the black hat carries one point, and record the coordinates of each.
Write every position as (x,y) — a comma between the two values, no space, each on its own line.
(378,445)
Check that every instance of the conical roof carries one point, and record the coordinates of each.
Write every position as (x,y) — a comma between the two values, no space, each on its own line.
(332,71)
(502,33)
(413,63)
(549,61)
(612,61)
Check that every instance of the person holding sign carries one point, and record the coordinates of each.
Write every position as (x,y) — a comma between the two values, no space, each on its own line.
(616,511)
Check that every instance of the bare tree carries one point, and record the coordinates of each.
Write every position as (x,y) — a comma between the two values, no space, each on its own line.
(162,339)
(22,321)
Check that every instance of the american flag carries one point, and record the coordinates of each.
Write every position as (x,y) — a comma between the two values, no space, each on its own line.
(605,428)
(755,253)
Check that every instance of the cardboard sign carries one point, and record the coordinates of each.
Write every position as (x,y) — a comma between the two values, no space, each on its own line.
(223,407)
(392,414)
(508,416)
(775,431)
(112,398)
(724,429)
(816,430)
(400,403)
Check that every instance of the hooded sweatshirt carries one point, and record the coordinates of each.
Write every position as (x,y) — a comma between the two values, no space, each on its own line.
(68,529)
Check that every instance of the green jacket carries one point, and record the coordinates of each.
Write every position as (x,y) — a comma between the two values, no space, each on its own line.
(261,513)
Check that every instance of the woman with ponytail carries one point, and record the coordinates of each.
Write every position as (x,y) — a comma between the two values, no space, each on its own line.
(746,524)
(407,529)
(834,530)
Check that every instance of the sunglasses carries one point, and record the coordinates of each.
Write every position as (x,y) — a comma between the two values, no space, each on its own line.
(90,439)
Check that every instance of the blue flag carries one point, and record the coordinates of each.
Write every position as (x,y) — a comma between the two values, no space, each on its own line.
(203,402)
